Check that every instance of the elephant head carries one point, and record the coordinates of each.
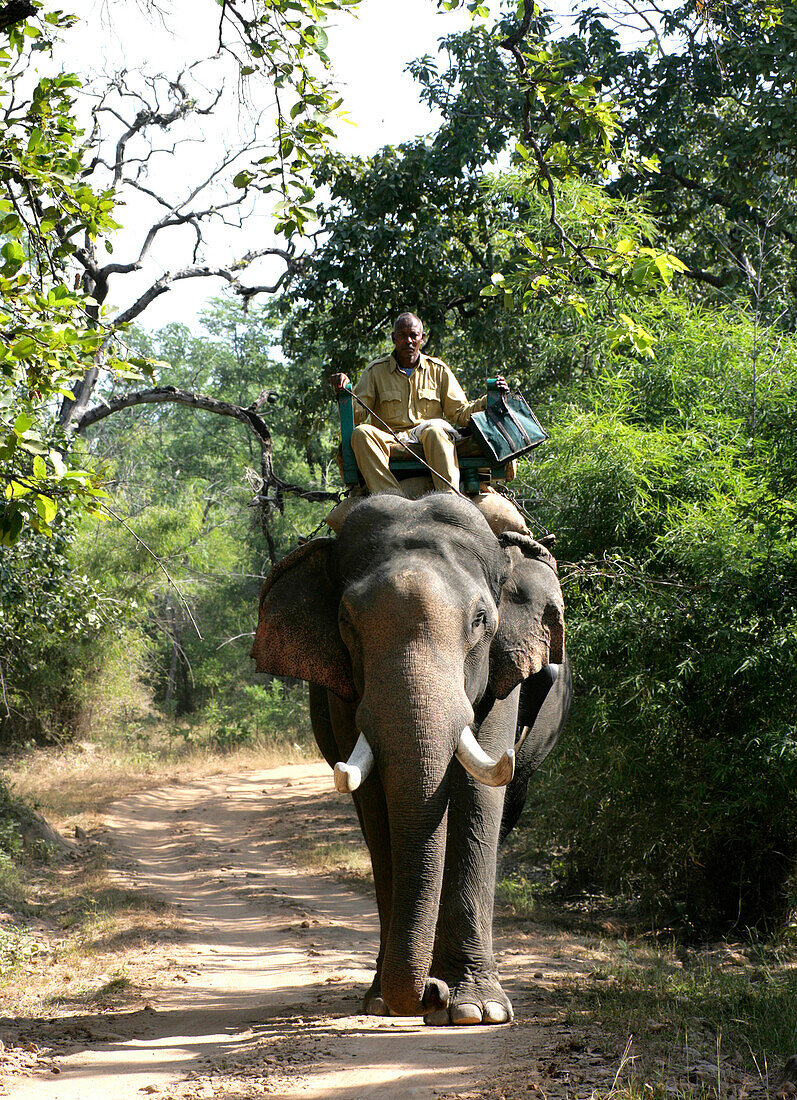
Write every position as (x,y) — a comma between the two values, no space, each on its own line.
(419,616)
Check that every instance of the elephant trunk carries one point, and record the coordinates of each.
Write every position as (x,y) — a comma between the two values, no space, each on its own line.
(415,777)
(413,710)
(418,845)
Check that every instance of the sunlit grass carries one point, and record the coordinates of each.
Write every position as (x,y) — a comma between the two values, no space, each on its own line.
(716,1022)
(12,890)
(73,930)
(83,778)
(753,1008)
(347,859)
(111,991)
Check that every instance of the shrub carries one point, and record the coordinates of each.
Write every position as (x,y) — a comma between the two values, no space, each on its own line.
(678,773)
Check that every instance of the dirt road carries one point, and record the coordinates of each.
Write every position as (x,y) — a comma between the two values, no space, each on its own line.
(259,995)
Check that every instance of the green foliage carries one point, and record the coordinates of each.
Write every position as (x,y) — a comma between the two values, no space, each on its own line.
(258,714)
(609,237)
(17,947)
(49,214)
(430,226)
(678,773)
(48,335)
(669,481)
(753,1011)
(53,626)
(179,479)
(91,604)
(10,811)
(287,40)
(709,89)
(403,230)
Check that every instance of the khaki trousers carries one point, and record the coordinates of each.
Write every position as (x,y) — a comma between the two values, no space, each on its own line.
(372,448)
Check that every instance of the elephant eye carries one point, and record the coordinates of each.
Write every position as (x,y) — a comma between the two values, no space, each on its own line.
(479,619)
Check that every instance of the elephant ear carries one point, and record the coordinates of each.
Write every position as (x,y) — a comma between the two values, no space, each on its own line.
(531,631)
(297,631)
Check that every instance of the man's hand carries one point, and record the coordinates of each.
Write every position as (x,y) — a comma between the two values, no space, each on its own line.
(501,384)
(339,382)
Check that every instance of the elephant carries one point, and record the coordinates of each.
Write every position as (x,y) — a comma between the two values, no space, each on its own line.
(428,642)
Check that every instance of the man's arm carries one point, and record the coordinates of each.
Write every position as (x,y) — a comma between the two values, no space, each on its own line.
(456,406)
(365,391)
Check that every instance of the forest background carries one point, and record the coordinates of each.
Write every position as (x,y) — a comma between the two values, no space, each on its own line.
(607,214)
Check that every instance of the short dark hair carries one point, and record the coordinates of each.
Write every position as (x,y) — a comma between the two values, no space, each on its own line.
(406,317)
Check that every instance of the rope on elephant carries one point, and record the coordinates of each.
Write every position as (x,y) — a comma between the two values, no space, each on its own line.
(407,448)
(512,496)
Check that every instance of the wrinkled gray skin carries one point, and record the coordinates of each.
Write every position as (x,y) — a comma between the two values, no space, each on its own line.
(415,622)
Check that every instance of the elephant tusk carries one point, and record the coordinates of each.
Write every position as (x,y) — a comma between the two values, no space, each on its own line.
(553,672)
(476,762)
(356,770)
(524,732)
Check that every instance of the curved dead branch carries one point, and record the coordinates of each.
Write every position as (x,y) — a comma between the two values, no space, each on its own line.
(159,395)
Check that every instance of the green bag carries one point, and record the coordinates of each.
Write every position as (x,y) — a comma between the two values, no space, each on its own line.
(507,428)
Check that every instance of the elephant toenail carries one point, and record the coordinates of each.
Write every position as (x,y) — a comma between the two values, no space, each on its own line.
(376,1007)
(438,1018)
(497,1013)
(466,1014)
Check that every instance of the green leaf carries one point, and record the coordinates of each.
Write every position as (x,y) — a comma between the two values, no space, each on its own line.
(23,423)
(58,463)
(16,489)
(32,443)
(10,527)
(14,255)
(46,507)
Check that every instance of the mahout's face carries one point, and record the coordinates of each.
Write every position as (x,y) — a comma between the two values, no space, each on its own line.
(407,339)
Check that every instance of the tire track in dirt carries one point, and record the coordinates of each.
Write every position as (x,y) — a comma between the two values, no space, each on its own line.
(260,996)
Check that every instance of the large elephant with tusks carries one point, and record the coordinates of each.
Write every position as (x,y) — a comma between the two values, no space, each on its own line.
(434,651)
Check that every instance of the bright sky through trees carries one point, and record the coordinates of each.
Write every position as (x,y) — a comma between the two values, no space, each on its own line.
(369,51)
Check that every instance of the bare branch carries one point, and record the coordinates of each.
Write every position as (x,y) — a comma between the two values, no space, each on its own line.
(512,43)
(700,276)
(134,108)
(235,637)
(198,271)
(162,394)
(169,394)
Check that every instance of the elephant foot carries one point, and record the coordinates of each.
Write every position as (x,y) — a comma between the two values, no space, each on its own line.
(373,1001)
(475,999)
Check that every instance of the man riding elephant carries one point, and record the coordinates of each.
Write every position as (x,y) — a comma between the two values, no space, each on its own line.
(418,397)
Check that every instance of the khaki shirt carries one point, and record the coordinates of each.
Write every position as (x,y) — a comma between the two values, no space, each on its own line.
(431,392)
